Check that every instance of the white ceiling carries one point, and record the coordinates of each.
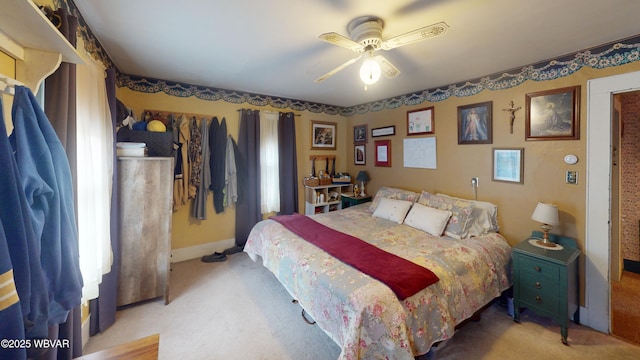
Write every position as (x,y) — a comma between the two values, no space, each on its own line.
(272,47)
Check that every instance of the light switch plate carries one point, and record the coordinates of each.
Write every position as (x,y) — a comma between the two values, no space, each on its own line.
(572,177)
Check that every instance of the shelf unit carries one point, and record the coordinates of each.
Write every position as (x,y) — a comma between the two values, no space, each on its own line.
(31,39)
(330,193)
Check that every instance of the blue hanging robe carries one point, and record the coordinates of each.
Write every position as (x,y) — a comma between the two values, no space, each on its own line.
(47,184)
(11,319)
(23,247)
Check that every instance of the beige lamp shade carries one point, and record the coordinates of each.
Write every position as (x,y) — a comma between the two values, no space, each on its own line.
(546,214)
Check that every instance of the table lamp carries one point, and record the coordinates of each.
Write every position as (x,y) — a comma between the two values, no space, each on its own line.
(362,177)
(547,214)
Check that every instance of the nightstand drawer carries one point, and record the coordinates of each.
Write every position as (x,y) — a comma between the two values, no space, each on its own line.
(542,301)
(539,267)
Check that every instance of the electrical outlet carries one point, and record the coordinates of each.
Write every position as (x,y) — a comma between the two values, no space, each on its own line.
(475,182)
(572,177)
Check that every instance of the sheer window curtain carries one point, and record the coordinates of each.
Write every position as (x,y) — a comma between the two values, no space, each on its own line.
(269,164)
(95,170)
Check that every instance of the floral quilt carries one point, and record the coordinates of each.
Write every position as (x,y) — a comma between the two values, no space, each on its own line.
(362,315)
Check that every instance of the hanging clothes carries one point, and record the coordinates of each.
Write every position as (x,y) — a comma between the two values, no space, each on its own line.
(181,183)
(231,174)
(217,149)
(195,157)
(199,210)
(11,321)
(47,184)
(23,246)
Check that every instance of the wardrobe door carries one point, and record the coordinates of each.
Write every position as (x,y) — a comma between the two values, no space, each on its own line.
(145,201)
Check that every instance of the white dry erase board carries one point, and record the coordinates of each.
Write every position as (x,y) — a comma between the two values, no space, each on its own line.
(420,153)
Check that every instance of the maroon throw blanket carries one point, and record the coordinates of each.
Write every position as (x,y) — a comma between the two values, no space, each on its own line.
(404,277)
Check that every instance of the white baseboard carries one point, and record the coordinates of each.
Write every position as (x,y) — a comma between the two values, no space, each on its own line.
(85,328)
(197,251)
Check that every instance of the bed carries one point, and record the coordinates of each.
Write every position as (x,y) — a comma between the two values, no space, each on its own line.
(363,315)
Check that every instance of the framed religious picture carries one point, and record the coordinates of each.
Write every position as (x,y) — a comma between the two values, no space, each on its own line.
(508,165)
(360,134)
(420,122)
(553,114)
(475,123)
(360,154)
(383,153)
(323,135)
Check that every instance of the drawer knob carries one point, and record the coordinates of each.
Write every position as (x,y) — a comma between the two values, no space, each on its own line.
(538,286)
(538,299)
(537,268)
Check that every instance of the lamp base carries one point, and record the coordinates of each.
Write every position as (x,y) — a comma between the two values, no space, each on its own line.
(546,243)
(545,237)
(362,194)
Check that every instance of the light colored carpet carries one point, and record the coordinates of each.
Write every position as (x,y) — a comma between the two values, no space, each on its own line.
(238,310)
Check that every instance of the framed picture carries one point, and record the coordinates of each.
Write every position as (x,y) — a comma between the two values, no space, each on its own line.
(420,122)
(383,153)
(475,123)
(359,155)
(508,165)
(323,135)
(383,131)
(360,134)
(553,114)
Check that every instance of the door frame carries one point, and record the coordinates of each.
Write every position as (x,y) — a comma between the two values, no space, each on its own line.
(596,313)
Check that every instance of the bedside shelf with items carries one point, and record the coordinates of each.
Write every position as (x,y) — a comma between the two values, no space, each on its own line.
(546,280)
(324,198)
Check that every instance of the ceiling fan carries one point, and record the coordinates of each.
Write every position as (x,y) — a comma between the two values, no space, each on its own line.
(366,39)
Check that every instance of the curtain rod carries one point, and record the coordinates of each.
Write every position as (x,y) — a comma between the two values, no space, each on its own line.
(267,110)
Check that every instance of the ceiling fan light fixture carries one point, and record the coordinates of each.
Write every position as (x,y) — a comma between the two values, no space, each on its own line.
(370,71)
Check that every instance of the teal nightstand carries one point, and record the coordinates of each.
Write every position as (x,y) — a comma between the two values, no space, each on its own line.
(546,281)
(349,200)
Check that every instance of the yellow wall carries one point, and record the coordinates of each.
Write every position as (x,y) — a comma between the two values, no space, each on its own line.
(188,231)
(544,168)
(7,65)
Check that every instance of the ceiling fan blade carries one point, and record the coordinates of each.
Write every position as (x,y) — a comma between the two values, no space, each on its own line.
(388,69)
(337,39)
(426,32)
(332,72)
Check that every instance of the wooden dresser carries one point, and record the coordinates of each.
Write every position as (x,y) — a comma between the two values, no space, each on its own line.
(145,200)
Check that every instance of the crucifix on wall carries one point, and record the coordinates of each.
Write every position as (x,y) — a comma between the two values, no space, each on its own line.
(512,117)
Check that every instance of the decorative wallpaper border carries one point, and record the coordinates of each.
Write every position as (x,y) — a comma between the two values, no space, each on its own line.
(605,56)
(149,85)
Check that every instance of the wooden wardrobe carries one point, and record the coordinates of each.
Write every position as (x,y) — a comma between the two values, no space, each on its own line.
(145,212)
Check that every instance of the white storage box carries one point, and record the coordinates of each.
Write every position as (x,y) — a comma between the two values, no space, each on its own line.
(130,149)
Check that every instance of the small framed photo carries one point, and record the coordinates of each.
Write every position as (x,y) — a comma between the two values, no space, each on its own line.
(420,122)
(383,153)
(508,165)
(323,135)
(360,134)
(553,114)
(475,123)
(383,131)
(359,155)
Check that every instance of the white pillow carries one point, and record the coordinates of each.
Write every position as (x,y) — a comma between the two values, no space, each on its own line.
(392,193)
(428,219)
(392,209)
(484,218)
